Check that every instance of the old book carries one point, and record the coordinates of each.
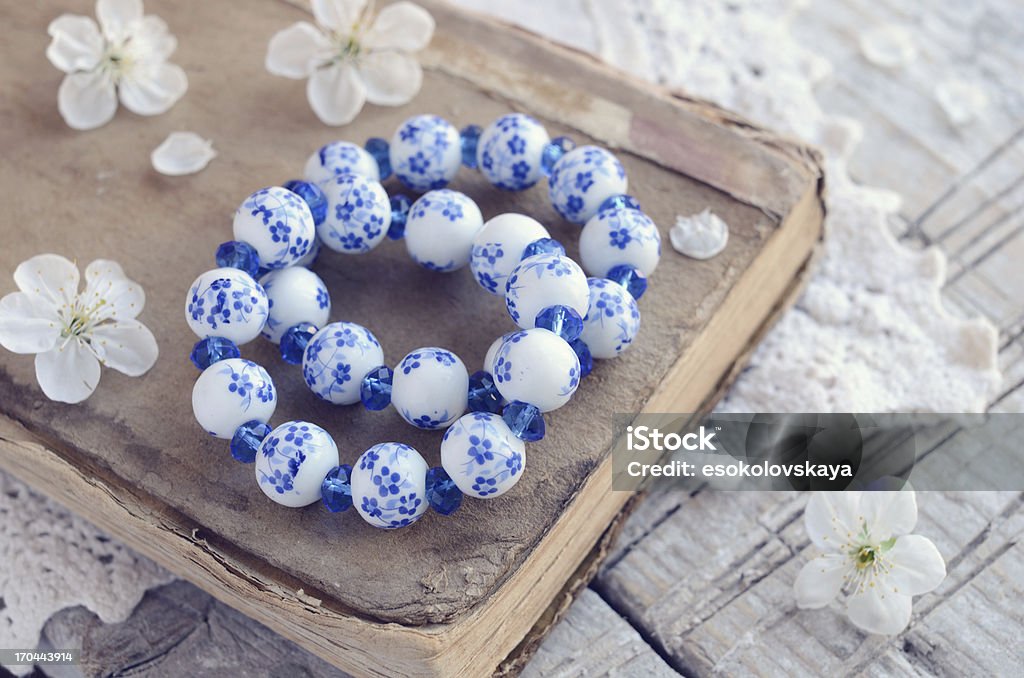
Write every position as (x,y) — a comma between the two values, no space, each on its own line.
(449,596)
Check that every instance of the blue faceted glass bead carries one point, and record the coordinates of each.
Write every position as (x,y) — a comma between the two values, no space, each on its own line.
(294,342)
(381,152)
(543,246)
(469,137)
(336,490)
(631,278)
(617,201)
(312,195)
(483,394)
(240,255)
(375,391)
(247,439)
(583,353)
(558,147)
(211,350)
(400,205)
(525,420)
(443,494)
(562,320)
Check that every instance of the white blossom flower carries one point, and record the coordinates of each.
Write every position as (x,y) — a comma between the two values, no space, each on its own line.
(72,333)
(353,56)
(127,60)
(870,556)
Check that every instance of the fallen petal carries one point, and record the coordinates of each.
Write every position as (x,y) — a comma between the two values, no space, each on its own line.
(962,101)
(700,236)
(888,46)
(182,153)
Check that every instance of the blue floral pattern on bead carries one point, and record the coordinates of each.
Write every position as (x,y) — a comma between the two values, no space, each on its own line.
(510,149)
(234,298)
(391,477)
(574,176)
(327,362)
(415,359)
(341,157)
(613,314)
(286,218)
(284,451)
(247,382)
(628,227)
(482,455)
(426,152)
(538,266)
(358,214)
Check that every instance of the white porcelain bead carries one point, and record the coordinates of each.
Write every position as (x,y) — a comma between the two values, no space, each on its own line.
(620,236)
(295,295)
(389,484)
(613,320)
(340,157)
(278,224)
(336,360)
(545,280)
(537,367)
(230,393)
(430,388)
(509,151)
(440,228)
(482,455)
(492,352)
(426,152)
(498,248)
(226,302)
(292,462)
(584,178)
(358,214)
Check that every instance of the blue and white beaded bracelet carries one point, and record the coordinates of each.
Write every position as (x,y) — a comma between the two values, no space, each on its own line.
(566,319)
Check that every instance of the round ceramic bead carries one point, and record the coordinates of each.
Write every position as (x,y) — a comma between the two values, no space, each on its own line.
(492,352)
(545,280)
(230,393)
(440,228)
(311,255)
(537,367)
(389,485)
(620,237)
(278,224)
(226,302)
(612,321)
(426,152)
(292,462)
(584,178)
(509,151)
(430,387)
(358,214)
(336,360)
(295,295)
(340,157)
(498,248)
(483,457)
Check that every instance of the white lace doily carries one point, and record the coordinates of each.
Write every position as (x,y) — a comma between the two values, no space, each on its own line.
(869,334)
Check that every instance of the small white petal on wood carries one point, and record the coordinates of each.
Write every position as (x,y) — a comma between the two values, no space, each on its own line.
(700,236)
(888,46)
(961,100)
(182,153)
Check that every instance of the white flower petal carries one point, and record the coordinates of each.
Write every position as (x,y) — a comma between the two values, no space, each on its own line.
(338,15)
(68,373)
(391,78)
(152,41)
(117,16)
(50,277)
(87,100)
(820,581)
(126,345)
(917,566)
(881,611)
(402,26)
(77,44)
(153,88)
(182,153)
(26,325)
(832,518)
(888,514)
(295,51)
(109,293)
(336,94)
